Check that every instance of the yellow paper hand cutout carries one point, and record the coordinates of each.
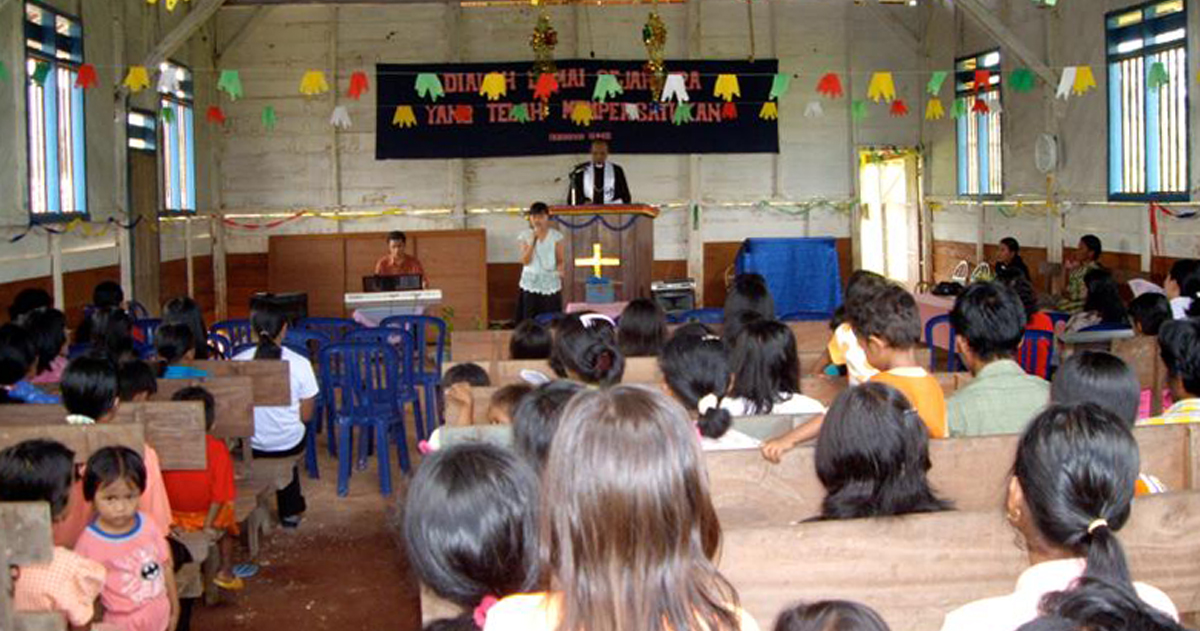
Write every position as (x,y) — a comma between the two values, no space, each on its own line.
(137,79)
(934,110)
(171,4)
(582,114)
(769,111)
(494,86)
(404,117)
(313,83)
(882,87)
(1084,80)
(727,87)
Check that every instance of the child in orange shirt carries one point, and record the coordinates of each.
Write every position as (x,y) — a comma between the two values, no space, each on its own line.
(889,328)
(203,500)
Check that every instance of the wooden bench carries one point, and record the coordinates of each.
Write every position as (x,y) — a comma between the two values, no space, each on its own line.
(1142,355)
(272,384)
(25,539)
(916,569)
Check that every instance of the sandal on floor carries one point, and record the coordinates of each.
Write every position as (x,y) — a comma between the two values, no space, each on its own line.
(245,570)
(233,585)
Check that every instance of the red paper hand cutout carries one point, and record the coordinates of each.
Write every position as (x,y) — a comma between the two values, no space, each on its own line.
(463,114)
(86,77)
(981,107)
(830,85)
(983,79)
(358,85)
(729,111)
(547,85)
(899,108)
(215,115)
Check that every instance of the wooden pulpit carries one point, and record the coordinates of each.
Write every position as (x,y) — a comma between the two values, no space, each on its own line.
(615,241)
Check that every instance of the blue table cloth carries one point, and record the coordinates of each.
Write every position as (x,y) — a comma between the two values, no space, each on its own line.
(802,274)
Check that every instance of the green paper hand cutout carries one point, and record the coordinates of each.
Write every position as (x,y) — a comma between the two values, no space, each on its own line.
(606,86)
(1022,80)
(168,115)
(960,108)
(231,83)
(429,85)
(3,72)
(1157,77)
(41,72)
(935,82)
(683,114)
(780,86)
(858,111)
(520,113)
(269,119)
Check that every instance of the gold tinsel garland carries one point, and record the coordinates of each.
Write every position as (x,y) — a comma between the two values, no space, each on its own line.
(542,41)
(654,36)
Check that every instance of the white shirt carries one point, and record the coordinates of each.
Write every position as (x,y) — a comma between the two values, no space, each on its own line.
(540,275)
(857,366)
(1179,307)
(281,428)
(1008,613)
(788,404)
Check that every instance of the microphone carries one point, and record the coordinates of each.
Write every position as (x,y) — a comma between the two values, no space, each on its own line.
(576,171)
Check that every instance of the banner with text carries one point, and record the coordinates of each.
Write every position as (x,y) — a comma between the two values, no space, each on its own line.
(463,114)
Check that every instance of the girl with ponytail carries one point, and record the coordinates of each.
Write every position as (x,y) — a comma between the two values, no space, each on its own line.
(585,350)
(1070,493)
(697,374)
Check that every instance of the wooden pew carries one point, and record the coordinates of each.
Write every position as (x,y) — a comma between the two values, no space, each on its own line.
(1142,355)
(25,539)
(916,569)
(272,382)
(81,439)
(174,429)
(234,399)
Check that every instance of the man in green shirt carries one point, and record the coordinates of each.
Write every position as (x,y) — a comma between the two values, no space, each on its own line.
(989,321)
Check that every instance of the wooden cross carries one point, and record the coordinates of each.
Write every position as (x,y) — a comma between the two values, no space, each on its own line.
(597,262)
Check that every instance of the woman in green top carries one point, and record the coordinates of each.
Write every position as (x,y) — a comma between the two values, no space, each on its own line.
(1087,258)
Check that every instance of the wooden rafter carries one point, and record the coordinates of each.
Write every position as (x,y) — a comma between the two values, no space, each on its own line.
(996,29)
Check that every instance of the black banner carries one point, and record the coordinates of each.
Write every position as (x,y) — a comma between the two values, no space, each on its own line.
(465,124)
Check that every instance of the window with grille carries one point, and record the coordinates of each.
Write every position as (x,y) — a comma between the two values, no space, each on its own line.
(55,107)
(1147,102)
(980,147)
(178,139)
(142,131)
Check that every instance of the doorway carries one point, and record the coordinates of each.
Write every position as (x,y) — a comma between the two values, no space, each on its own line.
(889,220)
(142,157)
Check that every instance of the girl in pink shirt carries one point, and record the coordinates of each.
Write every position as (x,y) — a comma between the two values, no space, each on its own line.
(139,593)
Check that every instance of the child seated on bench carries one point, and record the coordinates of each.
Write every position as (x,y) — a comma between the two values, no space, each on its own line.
(830,615)
(535,421)
(175,343)
(586,351)
(642,329)
(136,381)
(766,373)
(696,371)
(456,386)
(843,348)
(43,471)
(203,500)
(47,330)
(1070,492)
(470,528)
(18,364)
(1179,344)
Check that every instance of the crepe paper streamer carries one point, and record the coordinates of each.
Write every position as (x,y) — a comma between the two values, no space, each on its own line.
(463,114)
(980,107)
(269,118)
(960,108)
(934,110)
(547,85)
(1066,82)
(231,83)
(882,87)
(313,83)
(983,78)
(358,84)
(430,86)
(936,80)
(606,86)
(729,111)
(769,111)
(830,85)
(40,72)
(215,115)
(675,88)
(727,87)
(340,118)
(86,78)
(858,111)
(814,110)
(1085,81)
(899,108)
(168,115)
(1022,80)
(137,79)
(520,113)
(632,112)
(780,85)
(494,86)
(1157,77)
(404,116)
(683,114)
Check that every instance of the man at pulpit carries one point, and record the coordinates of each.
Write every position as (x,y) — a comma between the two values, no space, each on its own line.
(599,181)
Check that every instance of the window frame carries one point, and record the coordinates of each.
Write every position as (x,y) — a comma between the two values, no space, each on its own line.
(164,147)
(1144,53)
(27,55)
(998,90)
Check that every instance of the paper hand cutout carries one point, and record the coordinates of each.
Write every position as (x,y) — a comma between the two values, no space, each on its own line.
(983,79)
(882,87)
(934,87)
(547,85)
(404,116)
(934,110)
(215,115)
(86,77)
(168,115)
(358,84)
(632,112)
(727,87)
(675,88)
(1157,77)
(1084,80)
(980,107)
(494,86)
(683,114)
(1066,82)
(581,114)
(729,111)
(171,4)
(231,83)
(960,108)
(313,83)
(464,114)
(899,108)
(606,86)
(340,118)
(814,110)
(520,113)
(168,81)
(1022,80)
(137,79)
(858,111)
(769,111)
(3,72)
(269,119)
(780,85)
(830,85)
(430,86)
(40,72)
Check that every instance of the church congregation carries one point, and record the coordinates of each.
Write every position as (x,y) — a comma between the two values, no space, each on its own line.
(603,315)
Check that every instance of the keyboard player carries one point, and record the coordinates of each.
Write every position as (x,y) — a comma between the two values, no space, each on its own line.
(397,262)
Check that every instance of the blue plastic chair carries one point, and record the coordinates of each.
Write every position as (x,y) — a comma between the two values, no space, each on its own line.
(219,346)
(361,387)
(309,342)
(545,319)
(952,362)
(708,315)
(334,329)
(138,311)
(403,343)
(146,328)
(1029,354)
(426,367)
(75,350)
(236,331)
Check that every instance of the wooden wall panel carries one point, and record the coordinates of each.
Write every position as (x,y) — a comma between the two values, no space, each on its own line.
(247,274)
(312,264)
(9,291)
(455,261)
(78,286)
(502,281)
(173,283)
(668,270)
